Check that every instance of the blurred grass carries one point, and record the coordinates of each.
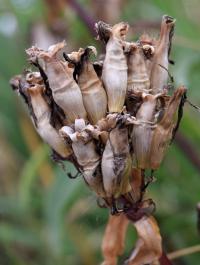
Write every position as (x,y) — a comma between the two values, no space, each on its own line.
(46,218)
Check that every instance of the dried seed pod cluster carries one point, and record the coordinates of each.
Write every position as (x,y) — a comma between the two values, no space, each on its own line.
(107,118)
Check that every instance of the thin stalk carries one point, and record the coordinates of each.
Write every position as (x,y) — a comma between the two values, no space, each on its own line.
(84,15)
(183,252)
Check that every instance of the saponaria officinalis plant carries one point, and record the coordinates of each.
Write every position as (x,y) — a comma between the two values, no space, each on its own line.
(113,119)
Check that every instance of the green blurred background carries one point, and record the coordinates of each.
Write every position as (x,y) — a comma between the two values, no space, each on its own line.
(47,218)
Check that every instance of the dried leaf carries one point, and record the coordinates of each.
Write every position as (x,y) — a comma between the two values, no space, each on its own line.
(148,246)
(164,129)
(114,239)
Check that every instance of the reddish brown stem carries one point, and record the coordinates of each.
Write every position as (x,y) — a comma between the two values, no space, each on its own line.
(189,150)
(164,260)
(85,17)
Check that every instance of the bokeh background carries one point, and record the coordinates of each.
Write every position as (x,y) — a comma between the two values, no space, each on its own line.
(47,218)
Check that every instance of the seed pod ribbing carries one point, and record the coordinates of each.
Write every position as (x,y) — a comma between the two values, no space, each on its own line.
(138,79)
(142,133)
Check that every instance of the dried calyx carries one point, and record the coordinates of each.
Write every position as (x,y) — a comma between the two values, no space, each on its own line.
(113,118)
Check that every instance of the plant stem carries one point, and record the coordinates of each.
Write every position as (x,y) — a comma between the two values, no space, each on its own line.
(84,15)
(164,260)
(183,252)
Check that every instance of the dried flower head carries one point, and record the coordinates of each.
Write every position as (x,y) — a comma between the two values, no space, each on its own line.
(113,119)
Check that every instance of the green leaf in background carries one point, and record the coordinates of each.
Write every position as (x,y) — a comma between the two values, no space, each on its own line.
(29,175)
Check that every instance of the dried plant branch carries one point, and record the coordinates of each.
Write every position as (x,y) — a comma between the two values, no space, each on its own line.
(183,252)
(188,148)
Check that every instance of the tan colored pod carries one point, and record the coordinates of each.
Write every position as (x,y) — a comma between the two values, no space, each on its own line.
(159,70)
(163,132)
(65,90)
(142,133)
(46,131)
(114,74)
(87,158)
(138,79)
(148,45)
(116,163)
(148,247)
(94,95)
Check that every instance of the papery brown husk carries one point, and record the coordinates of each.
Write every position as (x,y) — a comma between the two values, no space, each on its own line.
(65,90)
(93,93)
(163,132)
(148,247)
(138,79)
(114,74)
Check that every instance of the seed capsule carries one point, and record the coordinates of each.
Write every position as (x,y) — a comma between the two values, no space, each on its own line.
(142,133)
(114,74)
(65,90)
(86,156)
(41,113)
(138,79)
(159,71)
(116,163)
(163,132)
(94,95)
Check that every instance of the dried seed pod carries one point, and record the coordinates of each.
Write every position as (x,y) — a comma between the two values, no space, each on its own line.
(116,163)
(148,45)
(142,133)
(163,132)
(40,113)
(57,115)
(114,74)
(87,158)
(159,71)
(65,90)
(94,95)
(138,79)
(148,248)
